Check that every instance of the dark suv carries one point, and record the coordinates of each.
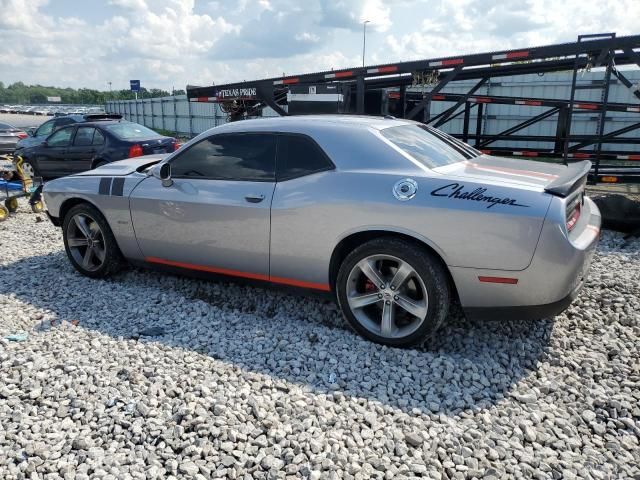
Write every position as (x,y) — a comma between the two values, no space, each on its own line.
(83,146)
(40,134)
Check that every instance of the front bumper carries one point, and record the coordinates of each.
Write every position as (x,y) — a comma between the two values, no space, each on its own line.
(547,286)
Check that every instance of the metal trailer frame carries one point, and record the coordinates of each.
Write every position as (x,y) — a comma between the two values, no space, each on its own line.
(246,99)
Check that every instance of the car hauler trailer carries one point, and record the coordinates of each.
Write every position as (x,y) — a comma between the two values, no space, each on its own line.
(407,90)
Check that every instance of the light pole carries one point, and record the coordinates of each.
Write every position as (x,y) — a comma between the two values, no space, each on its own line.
(364,39)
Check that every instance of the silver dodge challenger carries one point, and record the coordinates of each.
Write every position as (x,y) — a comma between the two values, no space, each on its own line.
(392,218)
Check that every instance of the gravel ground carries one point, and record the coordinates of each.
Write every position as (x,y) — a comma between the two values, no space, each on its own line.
(252,383)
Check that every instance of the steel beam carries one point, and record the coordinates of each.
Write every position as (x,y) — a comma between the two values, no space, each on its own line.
(461,100)
(448,77)
(521,125)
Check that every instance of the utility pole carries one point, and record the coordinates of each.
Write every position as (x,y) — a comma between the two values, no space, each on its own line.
(364,39)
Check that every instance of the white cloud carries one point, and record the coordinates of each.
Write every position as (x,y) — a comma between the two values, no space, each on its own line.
(169,43)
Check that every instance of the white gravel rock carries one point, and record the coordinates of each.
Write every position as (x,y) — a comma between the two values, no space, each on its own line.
(242,382)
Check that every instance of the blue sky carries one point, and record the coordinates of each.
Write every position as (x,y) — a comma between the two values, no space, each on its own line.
(166,43)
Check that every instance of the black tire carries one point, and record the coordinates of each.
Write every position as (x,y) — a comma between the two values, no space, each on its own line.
(428,274)
(112,261)
(99,163)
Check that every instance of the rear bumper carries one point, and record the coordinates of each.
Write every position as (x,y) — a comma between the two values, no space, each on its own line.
(552,281)
(522,312)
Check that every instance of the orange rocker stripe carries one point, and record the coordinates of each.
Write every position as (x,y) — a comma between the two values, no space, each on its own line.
(236,273)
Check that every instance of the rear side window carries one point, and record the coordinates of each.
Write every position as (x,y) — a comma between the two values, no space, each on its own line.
(249,157)
(84,136)
(298,156)
(423,146)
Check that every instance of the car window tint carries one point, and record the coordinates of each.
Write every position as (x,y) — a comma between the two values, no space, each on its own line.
(423,146)
(229,157)
(298,155)
(45,129)
(84,136)
(60,138)
(129,131)
(98,138)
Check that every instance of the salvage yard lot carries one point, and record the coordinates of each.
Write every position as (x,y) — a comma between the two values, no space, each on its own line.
(252,383)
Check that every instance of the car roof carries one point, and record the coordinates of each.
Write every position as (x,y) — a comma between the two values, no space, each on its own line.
(302,122)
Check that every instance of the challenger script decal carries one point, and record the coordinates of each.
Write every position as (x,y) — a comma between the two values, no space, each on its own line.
(455,190)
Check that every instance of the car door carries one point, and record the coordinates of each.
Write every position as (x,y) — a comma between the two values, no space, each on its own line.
(214,215)
(51,155)
(82,152)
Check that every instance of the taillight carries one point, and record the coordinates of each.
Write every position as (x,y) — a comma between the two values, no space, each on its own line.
(135,151)
(573,214)
(176,145)
(22,135)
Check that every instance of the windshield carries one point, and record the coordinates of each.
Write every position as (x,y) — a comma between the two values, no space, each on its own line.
(429,146)
(128,131)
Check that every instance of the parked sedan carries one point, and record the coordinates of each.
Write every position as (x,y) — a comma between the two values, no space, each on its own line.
(9,137)
(391,217)
(83,146)
(38,135)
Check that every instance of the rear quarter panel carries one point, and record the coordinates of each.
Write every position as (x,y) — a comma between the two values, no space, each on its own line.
(311,215)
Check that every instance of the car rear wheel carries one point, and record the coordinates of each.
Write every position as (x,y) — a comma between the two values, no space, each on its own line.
(99,163)
(89,242)
(393,292)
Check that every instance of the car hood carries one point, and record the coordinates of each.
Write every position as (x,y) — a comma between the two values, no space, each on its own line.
(530,174)
(30,142)
(124,167)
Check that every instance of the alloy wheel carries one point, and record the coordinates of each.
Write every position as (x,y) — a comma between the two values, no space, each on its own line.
(86,242)
(387,296)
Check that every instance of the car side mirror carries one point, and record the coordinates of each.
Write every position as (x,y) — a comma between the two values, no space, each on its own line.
(31,131)
(163,172)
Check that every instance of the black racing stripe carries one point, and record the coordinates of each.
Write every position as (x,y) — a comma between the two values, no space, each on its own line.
(105,186)
(117,187)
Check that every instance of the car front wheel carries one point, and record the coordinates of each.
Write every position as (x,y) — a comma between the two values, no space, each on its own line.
(393,291)
(89,242)
(29,168)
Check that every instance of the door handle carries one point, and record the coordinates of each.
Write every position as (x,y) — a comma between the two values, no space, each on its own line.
(254,198)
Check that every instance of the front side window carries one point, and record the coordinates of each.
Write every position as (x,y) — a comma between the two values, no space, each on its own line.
(44,129)
(60,138)
(298,155)
(229,157)
(425,147)
(84,136)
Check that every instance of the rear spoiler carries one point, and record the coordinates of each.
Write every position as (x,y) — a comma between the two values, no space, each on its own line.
(103,116)
(574,178)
